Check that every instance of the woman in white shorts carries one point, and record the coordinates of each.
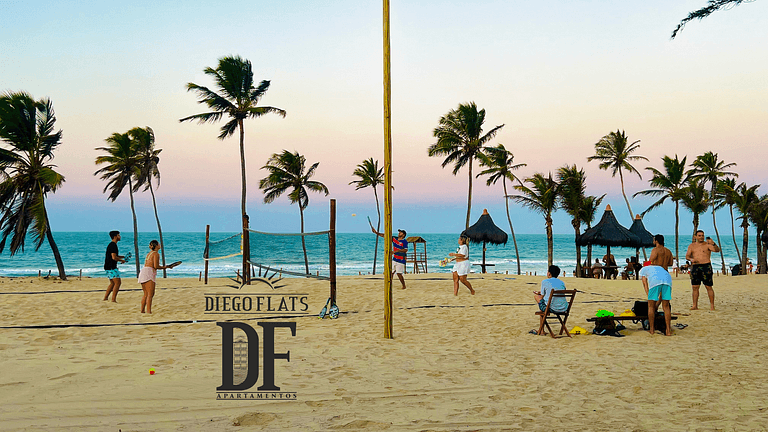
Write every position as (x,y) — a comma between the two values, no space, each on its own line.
(148,275)
(462,266)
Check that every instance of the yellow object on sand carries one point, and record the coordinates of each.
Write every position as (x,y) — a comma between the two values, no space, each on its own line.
(627,312)
(579,330)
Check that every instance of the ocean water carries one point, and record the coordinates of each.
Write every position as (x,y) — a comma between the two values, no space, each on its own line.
(354,254)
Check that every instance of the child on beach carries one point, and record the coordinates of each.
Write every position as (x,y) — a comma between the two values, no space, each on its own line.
(462,266)
(148,275)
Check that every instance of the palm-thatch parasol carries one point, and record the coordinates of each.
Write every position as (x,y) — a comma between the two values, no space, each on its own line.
(485,231)
(608,232)
(646,238)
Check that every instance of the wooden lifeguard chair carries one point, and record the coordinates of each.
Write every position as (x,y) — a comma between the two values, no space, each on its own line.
(418,258)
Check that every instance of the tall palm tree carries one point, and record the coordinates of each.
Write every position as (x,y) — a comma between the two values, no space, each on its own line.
(235,97)
(758,216)
(460,138)
(500,164)
(744,198)
(573,187)
(26,177)
(726,194)
(540,197)
(369,174)
(148,158)
(589,208)
(615,153)
(121,170)
(287,171)
(668,184)
(701,13)
(696,199)
(709,168)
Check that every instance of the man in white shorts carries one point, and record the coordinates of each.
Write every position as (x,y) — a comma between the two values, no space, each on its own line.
(399,250)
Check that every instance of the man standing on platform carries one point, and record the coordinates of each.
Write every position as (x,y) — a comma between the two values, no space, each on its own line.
(399,250)
(701,267)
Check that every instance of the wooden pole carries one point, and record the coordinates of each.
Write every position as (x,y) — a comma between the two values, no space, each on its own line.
(332,251)
(207,238)
(246,251)
(387,181)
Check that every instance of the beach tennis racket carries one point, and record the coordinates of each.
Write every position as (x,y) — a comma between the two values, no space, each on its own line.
(127,257)
(174,264)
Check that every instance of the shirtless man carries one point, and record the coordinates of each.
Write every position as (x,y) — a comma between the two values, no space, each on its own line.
(660,256)
(701,267)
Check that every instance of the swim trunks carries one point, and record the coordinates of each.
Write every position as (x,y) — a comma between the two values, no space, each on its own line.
(113,274)
(701,273)
(663,290)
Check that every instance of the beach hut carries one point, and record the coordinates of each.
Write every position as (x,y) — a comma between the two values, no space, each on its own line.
(608,232)
(646,238)
(485,231)
(418,258)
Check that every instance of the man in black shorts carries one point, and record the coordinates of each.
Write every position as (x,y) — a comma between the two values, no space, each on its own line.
(701,267)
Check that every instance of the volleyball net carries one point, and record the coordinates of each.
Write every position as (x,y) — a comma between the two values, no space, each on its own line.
(221,249)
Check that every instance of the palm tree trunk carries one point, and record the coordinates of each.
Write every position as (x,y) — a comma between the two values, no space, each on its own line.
(576,227)
(717,233)
(246,237)
(762,255)
(159,230)
(733,232)
(631,215)
(677,232)
(550,251)
(745,244)
(378,229)
(135,228)
(695,224)
(303,243)
(511,230)
(469,194)
(54,248)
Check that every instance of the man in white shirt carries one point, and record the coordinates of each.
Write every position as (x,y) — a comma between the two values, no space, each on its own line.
(658,286)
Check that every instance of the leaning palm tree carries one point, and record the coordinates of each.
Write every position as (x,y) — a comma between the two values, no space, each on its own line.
(26,177)
(460,139)
(668,184)
(573,186)
(500,164)
(369,174)
(148,158)
(589,208)
(744,198)
(708,168)
(695,198)
(540,197)
(726,195)
(235,97)
(121,170)
(287,171)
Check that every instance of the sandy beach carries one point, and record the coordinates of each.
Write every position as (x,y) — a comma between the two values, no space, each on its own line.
(456,363)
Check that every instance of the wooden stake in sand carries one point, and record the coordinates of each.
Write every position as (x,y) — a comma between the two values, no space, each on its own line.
(387,181)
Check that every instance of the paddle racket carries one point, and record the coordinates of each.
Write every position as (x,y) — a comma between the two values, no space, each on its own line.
(174,264)
(127,257)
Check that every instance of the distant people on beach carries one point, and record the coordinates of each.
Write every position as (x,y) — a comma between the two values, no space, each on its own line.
(701,267)
(462,266)
(657,283)
(148,275)
(551,283)
(610,266)
(660,255)
(597,269)
(111,259)
(399,251)
(629,270)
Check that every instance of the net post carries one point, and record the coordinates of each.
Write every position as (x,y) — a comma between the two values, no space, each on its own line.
(246,251)
(205,255)
(332,250)
(387,180)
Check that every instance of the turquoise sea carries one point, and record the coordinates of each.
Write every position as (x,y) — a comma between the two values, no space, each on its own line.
(85,251)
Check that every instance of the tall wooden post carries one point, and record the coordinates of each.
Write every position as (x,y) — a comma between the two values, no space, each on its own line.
(332,251)
(387,181)
(246,252)
(207,241)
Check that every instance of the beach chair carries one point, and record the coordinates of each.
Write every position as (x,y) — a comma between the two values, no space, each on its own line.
(550,315)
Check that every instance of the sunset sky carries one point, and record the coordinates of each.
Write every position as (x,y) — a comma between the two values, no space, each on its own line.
(558,74)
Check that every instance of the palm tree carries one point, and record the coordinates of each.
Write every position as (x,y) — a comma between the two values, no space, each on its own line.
(758,216)
(708,168)
(287,171)
(26,177)
(369,174)
(148,158)
(589,208)
(696,199)
(500,164)
(540,197)
(615,153)
(573,186)
(121,170)
(236,97)
(699,14)
(460,138)
(668,184)
(726,191)
(744,198)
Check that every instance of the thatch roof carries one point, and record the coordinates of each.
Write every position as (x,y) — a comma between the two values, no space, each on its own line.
(639,230)
(608,232)
(416,239)
(484,230)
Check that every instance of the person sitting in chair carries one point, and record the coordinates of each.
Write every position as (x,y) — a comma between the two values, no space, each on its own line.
(552,283)
(597,269)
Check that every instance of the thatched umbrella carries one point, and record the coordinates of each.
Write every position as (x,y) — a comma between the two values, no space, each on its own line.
(485,231)
(645,237)
(608,232)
